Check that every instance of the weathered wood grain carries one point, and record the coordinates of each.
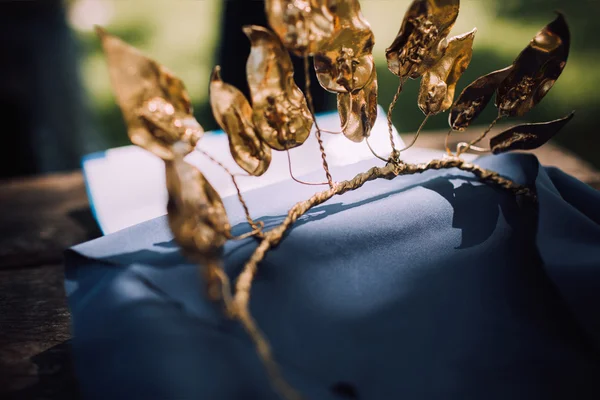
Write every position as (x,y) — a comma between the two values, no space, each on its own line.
(35,358)
(40,217)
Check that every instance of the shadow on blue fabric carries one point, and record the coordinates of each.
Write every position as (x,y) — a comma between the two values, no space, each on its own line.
(424,287)
(477,221)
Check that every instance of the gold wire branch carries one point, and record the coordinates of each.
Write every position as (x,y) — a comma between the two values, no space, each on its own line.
(389,171)
(472,143)
(395,153)
(311,107)
(272,238)
(257,227)
(289,158)
(412,143)
(375,153)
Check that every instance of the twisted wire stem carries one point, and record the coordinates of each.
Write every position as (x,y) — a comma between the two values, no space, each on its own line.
(395,153)
(256,227)
(447,144)
(390,171)
(216,272)
(311,107)
(263,348)
(273,237)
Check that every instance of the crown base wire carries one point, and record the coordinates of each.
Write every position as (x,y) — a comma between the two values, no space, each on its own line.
(243,286)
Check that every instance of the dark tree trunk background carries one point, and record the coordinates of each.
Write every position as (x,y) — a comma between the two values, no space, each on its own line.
(44,120)
(235,48)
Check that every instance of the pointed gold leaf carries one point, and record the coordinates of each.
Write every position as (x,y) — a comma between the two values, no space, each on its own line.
(528,136)
(417,46)
(358,112)
(438,85)
(234,115)
(536,69)
(137,79)
(281,114)
(474,98)
(302,25)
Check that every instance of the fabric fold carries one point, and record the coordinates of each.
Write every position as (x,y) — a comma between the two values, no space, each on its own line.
(432,286)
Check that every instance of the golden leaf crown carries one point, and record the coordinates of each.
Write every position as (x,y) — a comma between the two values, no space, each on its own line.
(279,116)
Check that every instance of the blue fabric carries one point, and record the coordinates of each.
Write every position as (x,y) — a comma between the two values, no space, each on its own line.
(425,287)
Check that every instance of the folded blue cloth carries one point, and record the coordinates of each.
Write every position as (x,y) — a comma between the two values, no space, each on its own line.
(432,286)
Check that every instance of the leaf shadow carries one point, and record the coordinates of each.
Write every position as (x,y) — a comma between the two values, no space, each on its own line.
(476,208)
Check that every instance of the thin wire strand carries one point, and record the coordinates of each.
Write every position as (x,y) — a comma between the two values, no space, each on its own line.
(242,312)
(266,355)
(251,222)
(373,151)
(417,134)
(256,232)
(226,293)
(311,107)
(332,132)
(446,144)
(298,180)
(389,116)
(343,128)
(480,137)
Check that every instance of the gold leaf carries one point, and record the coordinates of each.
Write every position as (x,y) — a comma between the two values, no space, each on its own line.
(527,136)
(345,63)
(136,79)
(439,84)
(419,42)
(535,70)
(474,98)
(168,125)
(347,14)
(281,114)
(234,115)
(358,111)
(196,213)
(302,25)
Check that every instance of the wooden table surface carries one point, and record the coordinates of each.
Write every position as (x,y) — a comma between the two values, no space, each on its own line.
(39,218)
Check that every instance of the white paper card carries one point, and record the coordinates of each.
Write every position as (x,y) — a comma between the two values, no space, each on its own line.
(126,185)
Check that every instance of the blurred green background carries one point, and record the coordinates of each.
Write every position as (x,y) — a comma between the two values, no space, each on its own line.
(184,34)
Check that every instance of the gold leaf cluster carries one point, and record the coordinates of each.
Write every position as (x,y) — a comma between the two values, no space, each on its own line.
(279,116)
(341,41)
(518,88)
(422,50)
